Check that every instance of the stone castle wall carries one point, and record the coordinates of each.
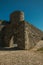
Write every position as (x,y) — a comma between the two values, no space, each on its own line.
(19,33)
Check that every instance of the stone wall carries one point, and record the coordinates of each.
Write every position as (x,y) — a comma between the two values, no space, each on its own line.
(32,35)
(2,26)
(19,35)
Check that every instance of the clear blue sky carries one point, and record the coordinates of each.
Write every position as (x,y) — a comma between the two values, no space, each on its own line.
(33,10)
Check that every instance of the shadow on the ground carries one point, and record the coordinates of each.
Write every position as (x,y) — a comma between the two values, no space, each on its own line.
(9,49)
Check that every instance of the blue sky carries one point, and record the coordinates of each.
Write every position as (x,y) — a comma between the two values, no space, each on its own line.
(33,10)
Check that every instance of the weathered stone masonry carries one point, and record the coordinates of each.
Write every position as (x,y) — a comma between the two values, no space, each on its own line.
(18,32)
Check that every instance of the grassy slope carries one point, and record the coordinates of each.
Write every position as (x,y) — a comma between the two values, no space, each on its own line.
(21,57)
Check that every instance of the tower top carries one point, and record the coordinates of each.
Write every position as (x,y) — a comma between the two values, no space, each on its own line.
(17,16)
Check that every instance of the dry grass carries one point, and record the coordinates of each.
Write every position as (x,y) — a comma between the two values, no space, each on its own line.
(21,57)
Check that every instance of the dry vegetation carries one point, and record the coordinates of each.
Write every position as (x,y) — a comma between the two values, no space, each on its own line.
(21,57)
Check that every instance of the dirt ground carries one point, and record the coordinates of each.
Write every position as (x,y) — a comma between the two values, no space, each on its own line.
(21,57)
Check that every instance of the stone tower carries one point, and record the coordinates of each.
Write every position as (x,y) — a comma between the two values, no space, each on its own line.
(17,16)
(17,20)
